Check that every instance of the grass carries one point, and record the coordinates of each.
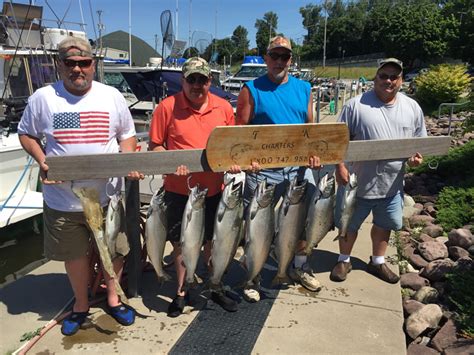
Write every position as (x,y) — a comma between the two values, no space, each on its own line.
(346,72)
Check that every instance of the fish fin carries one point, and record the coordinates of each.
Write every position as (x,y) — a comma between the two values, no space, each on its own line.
(220,213)
(273,255)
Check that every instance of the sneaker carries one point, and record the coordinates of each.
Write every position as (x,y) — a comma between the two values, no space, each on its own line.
(305,277)
(340,271)
(251,295)
(383,272)
(123,314)
(176,307)
(73,322)
(225,302)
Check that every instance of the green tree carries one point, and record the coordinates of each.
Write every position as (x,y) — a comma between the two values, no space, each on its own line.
(411,29)
(313,22)
(240,41)
(463,11)
(266,29)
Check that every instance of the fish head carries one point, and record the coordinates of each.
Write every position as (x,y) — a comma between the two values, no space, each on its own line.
(327,185)
(297,190)
(264,194)
(232,195)
(198,197)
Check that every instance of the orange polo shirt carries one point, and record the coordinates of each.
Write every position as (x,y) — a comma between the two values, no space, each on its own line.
(176,125)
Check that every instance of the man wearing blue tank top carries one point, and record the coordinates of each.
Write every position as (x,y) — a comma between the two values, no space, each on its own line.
(278,98)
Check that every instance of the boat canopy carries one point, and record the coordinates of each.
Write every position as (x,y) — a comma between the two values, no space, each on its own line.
(159,84)
(253,59)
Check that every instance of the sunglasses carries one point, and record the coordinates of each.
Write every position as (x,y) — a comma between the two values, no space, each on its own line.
(85,63)
(200,79)
(386,76)
(283,56)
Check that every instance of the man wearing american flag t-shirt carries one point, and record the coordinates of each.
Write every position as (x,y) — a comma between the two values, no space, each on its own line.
(77,115)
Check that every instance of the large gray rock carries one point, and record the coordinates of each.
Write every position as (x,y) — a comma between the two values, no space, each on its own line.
(417,260)
(433,230)
(456,253)
(425,238)
(437,269)
(461,347)
(426,294)
(420,220)
(419,349)
(445,337)
(411,306)
(413,280)
(432,250)
(426,317)
(464,264)
(461,238)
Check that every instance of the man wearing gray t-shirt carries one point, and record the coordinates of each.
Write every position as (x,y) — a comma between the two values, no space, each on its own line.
(382,113)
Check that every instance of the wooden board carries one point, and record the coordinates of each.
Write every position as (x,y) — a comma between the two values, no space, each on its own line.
(396,148)
(77,167)
(275,146)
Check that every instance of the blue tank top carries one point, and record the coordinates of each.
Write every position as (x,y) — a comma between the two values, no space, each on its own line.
(279,104)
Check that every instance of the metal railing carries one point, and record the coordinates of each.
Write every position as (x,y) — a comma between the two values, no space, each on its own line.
(451,119)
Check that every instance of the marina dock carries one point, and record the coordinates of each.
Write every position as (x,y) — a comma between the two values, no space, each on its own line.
(362,315)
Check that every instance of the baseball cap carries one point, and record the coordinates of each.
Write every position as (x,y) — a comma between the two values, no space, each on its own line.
(196,65)
(279,42)
(83,47)
(394,61)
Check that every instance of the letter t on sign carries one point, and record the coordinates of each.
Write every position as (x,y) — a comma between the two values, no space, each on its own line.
(254,133)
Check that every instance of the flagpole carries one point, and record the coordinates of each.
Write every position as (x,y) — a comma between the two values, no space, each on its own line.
(130,32)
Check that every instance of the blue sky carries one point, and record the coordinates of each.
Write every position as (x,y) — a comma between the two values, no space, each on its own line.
(206,15)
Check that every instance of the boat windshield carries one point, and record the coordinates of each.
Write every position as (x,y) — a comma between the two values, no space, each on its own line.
(251,72)
(42,72)
(117,81)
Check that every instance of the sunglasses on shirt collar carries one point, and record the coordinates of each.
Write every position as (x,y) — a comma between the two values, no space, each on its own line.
(84,63)
(283,56)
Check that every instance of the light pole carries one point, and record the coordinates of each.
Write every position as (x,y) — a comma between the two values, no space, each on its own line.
(325,27)
(340,60)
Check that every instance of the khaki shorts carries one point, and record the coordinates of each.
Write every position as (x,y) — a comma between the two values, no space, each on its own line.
(67,235)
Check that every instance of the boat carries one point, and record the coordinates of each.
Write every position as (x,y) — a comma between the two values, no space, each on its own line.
(252,68)
(144,87)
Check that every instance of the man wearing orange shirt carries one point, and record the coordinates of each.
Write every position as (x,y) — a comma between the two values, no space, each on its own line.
(185,121)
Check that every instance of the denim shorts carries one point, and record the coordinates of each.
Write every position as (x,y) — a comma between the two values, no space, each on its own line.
(387,212)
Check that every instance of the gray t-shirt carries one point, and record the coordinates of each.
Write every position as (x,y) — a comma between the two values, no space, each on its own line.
(369,118)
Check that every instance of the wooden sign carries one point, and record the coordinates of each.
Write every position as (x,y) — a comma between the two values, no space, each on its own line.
(99,166)
(381,149)
(274,146)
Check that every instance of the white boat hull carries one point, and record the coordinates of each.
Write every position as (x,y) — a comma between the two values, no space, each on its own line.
(19,180)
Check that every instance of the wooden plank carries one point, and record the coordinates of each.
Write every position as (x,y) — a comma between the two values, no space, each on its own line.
(276,145)
(396,148)
(99,166)
(77,167)
(134,263)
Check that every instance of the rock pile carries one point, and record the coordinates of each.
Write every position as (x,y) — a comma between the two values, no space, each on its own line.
(429,325)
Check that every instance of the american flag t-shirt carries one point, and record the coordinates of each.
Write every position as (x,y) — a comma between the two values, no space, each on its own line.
(89,127)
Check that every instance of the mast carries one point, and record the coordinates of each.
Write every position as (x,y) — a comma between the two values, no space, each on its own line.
(176,18)
(130,32)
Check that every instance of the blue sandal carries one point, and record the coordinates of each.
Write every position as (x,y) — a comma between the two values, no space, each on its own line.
(123,314)
(72,323)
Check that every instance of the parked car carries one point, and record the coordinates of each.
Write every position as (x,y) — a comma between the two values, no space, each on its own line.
(414,73)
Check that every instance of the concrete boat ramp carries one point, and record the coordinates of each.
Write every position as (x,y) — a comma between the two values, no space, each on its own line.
(362,315)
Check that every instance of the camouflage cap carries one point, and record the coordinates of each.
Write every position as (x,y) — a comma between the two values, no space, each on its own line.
(196,65)
(279,42)
(393,61)
(83,47)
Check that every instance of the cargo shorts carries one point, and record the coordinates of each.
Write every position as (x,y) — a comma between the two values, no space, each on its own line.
(67,235)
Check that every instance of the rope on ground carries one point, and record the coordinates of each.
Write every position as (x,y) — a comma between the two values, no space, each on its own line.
(56,320)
